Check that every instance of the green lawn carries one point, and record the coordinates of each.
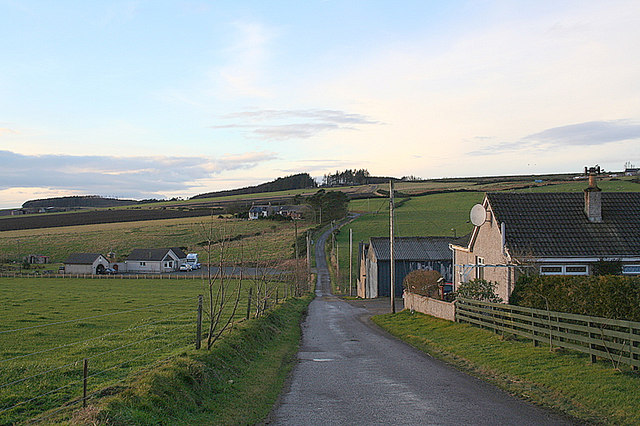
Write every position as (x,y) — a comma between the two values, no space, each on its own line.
(562,380)
(121,325)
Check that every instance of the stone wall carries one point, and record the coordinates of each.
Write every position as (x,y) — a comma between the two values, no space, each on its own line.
(433,307)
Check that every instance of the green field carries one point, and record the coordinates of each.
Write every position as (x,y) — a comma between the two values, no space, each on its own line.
(48,326)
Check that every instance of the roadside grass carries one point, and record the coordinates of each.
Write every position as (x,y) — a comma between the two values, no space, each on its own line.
(262,240)
(559,379)
(237,382)
(49,325)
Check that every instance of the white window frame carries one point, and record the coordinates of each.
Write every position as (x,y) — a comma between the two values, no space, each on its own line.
(480,268)
(563,270)
(143,263)
(637,272)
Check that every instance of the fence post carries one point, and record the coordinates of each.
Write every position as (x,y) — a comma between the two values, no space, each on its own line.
(533,330)
(249,302)
(85,371)
(591,345)
(199,323)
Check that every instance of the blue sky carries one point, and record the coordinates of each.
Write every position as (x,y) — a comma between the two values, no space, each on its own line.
(160,99)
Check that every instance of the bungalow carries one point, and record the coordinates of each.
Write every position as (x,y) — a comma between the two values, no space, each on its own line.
(549,234)
(155,260)
(85,263)
(257,212)
(411,253)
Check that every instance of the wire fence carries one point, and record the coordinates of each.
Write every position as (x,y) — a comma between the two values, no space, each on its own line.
(46,368)
(49,367)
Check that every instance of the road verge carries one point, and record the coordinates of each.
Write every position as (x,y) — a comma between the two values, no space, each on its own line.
(564,381)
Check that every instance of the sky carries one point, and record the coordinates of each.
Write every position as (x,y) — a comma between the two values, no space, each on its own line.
(163,99)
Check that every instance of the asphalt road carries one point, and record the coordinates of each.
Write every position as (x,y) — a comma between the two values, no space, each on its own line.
(351,372)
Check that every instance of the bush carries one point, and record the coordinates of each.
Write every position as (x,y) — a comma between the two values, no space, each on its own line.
(477,289)
(423,282)
(608,296)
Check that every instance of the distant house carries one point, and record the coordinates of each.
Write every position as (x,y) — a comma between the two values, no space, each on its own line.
(411,253)
(155,261)
(632,171)
(37,259)
(550,234)
(262,211)
(85,263)
(257,212)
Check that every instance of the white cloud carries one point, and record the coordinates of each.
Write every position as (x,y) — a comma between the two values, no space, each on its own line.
(134,177)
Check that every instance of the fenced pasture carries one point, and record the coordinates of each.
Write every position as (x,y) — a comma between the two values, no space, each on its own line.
(50,327)
(261,240)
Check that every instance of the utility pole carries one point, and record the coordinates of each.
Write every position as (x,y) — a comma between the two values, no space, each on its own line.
(308,252)
(295,225)
(391,254)
(350,262)
(337,263)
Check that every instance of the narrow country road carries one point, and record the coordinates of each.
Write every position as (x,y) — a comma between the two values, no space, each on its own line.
(352,373)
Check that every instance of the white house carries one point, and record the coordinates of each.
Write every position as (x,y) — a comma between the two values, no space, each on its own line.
(155,261)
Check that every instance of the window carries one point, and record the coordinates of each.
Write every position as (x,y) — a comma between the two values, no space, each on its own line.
(564,270)
(576,270)
(631,269)
(480,268)
(551,270)
(143,263)
(168,264)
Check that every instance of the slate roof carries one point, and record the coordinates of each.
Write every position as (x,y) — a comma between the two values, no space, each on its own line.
(81,258)
(555,224)
(157,254)
(413,248)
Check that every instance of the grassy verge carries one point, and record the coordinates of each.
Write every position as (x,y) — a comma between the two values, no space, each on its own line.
(236,382)
(561,380)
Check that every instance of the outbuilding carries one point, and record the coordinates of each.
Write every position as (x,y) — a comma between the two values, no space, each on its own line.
(85,263)
(410,253)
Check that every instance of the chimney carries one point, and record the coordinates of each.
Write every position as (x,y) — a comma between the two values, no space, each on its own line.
(593,197)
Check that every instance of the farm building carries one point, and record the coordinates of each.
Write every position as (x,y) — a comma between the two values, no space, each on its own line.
(550,234)
(155,261)
(411,253)
(85,263)
(261,211)
(37,259)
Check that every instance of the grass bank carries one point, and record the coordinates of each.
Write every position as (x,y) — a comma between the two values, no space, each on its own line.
(561,380)
(236,382)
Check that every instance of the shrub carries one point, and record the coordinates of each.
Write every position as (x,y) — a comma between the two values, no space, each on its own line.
(608,296)
(423,282)
(478,289)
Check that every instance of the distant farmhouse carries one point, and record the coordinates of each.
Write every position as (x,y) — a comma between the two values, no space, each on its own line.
(550,234)
(263,211)
(158,260)
(410,253)
(85,263)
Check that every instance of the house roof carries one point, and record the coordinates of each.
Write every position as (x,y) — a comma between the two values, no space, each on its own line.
(555,224)
(156,254)
(81,258)
(413,248)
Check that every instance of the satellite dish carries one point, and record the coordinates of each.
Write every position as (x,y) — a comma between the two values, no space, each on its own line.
(478,215)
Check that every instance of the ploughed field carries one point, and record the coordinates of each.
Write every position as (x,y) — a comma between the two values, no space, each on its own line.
(93,217)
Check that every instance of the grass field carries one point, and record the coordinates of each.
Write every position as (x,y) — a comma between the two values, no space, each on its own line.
(562,380)
(265,240)
(48,326)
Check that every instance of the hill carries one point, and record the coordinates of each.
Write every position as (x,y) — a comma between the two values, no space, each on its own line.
(83,201)
(299,181)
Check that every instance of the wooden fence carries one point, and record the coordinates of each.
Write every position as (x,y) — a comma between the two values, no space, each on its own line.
(615,340)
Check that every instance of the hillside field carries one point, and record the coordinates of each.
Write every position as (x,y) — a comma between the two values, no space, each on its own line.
(258,240)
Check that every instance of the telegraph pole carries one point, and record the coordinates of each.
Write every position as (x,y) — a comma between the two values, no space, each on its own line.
(350,262)
(391,254)
(308,252)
